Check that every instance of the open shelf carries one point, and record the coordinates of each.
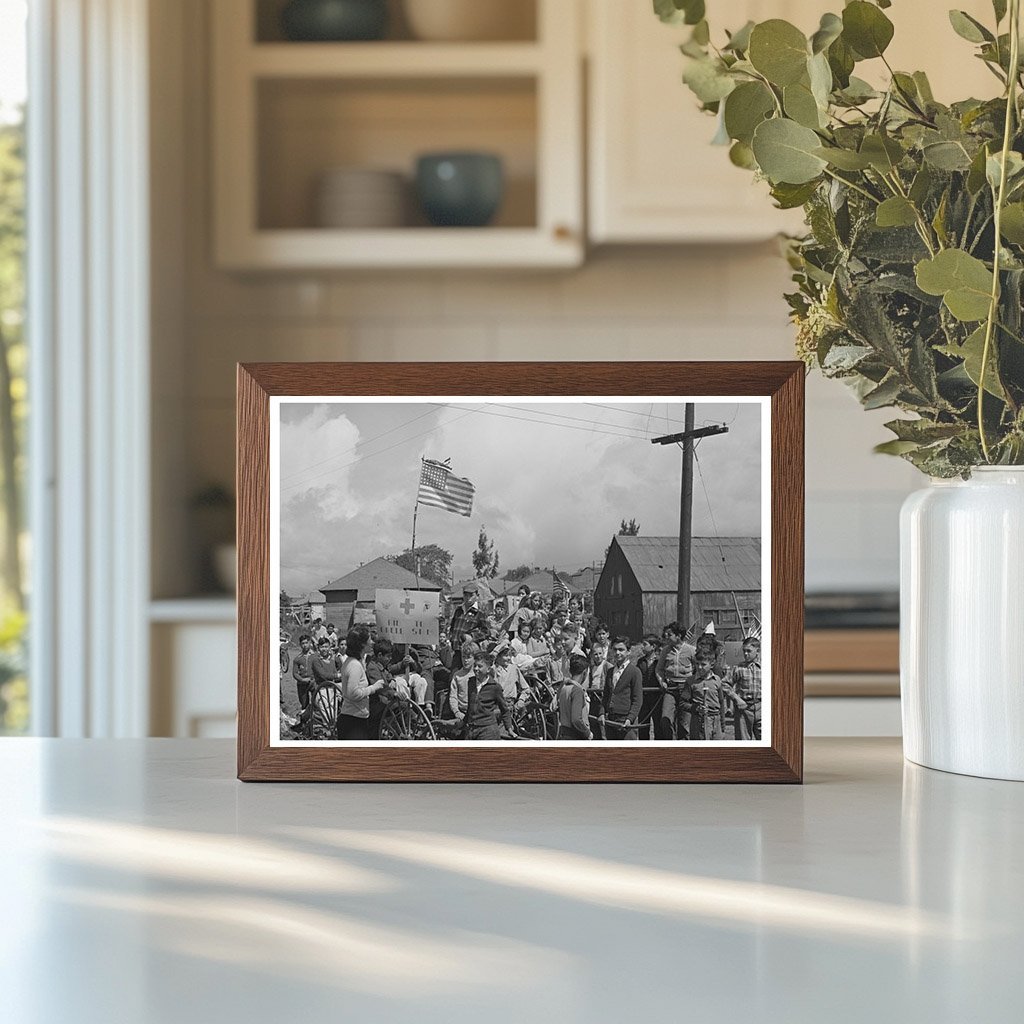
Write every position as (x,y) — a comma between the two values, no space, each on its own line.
(519,17)
(287,113)
(308,127)
(393,60)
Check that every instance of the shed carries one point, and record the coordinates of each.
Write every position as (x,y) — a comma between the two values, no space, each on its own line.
(637,590)
(358,589)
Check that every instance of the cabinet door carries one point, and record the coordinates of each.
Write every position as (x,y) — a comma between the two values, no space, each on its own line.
(654,175)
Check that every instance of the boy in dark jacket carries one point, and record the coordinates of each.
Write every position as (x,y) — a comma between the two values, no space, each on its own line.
(623,693)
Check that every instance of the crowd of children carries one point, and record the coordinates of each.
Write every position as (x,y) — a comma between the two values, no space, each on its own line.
(486,668)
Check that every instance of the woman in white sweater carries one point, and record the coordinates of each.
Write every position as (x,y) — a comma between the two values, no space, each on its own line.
(356,689)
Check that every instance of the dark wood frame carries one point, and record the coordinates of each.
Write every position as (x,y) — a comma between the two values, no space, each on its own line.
(781,762)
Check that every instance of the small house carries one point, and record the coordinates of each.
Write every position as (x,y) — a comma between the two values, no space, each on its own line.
(357,591)
(637,591)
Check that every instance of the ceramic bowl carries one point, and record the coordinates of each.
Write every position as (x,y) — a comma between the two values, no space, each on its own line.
(460,189)
(334,20)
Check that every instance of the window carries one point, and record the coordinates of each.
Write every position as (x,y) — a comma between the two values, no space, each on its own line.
(14,703)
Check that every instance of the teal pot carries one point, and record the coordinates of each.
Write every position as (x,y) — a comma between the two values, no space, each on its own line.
(462,190)
(332,21)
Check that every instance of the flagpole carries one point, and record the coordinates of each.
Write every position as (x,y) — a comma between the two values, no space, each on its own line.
(415,512)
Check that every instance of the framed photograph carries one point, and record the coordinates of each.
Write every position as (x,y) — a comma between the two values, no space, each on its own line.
(520,572)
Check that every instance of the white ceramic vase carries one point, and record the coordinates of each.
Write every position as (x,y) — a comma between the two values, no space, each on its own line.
(962,624)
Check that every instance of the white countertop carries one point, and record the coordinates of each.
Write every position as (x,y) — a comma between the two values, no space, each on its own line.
(145,885)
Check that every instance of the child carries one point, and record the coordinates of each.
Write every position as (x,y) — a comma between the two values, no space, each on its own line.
(302,670)
(487,710)
(745,680)
(573,703)
(409,683)
(705,701)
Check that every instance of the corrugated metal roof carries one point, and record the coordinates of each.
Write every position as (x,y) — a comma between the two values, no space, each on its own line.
(541,582)
(655,562)
(380,574)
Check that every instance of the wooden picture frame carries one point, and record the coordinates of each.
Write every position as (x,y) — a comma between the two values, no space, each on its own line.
(778,760)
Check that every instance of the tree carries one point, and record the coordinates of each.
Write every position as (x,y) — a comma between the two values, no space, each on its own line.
(485,558)
(519,573)
(630,529)
(12,350)
(435,564)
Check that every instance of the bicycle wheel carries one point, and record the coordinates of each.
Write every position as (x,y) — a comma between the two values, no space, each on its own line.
(548,707)
(403,720)
(529,722)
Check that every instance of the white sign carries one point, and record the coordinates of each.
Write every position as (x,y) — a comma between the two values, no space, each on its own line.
(407,616)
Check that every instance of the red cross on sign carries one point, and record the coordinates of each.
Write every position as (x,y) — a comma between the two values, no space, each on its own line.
(407,616)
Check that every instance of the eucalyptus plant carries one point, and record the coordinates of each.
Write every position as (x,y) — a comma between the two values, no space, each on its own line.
(910,278)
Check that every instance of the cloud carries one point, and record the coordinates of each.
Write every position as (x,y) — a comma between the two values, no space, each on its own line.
(552,482)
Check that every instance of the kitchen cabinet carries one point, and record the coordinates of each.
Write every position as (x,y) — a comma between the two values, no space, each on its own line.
(287,113)
(653,175)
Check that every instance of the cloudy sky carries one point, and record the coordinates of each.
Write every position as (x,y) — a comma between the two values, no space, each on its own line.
(552,480)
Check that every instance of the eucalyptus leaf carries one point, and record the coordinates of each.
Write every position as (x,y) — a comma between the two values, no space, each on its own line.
(1012,223)
(866,30)
(741,155)
(883,153)
(884,395)
(924,87)
(820,76)
(789,197)
(800,105)
(739,41)
(785,152)
(708,81)
(895,212)
(676,12)
(976,173)
(969,28)
(829,30)
(972,353)
(946,156)
(844,159)
(895,447)
(963,281)
(842,61)
(779,51)
(1014,169)
(745,108)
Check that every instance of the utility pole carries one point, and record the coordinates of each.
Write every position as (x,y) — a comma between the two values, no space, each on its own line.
(686,507)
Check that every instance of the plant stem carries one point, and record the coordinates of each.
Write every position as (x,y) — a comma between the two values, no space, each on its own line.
(993,309)
(855,187)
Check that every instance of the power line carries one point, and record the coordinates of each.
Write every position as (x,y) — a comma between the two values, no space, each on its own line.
(561,426)
(707,500)
(370,455)
(358,444)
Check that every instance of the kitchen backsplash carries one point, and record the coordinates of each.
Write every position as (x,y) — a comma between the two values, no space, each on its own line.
(704,303)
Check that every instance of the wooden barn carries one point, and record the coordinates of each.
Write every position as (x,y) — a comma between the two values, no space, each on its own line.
(637,590)
(354,593)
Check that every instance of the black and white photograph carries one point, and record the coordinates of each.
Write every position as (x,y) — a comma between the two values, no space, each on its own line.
(506,570)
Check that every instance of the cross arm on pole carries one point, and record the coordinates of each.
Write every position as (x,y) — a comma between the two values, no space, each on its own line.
(691,434)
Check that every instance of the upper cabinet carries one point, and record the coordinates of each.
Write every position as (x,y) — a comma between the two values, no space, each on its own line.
(653,174)
(317,142)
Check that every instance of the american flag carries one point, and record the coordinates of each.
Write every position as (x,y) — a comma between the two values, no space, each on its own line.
(442,489)
(560,589)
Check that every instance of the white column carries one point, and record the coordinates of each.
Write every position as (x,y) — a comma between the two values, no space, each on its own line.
(88,320)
